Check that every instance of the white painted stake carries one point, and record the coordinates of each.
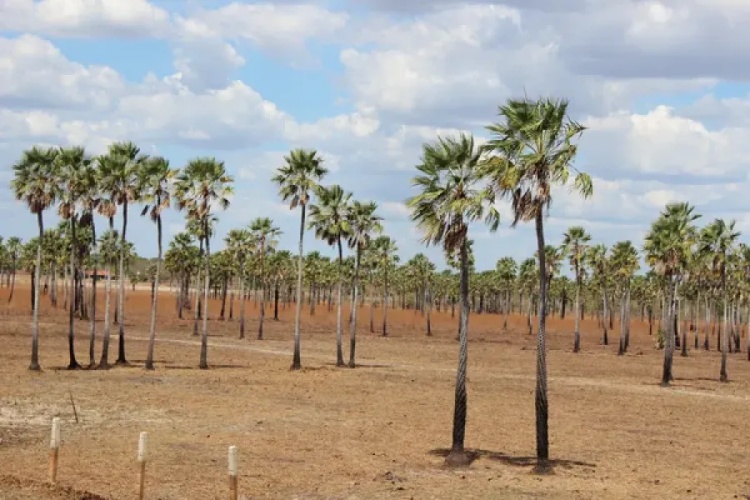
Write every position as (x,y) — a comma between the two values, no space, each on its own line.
(232,472)
(142,457)
(54,448)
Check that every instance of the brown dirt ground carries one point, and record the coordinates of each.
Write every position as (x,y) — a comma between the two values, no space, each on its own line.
(374,432)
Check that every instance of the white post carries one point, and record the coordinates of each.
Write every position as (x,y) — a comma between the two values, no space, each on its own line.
(142,457)
(232,472)
(54,447)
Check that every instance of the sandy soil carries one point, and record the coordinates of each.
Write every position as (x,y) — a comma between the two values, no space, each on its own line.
(374,432)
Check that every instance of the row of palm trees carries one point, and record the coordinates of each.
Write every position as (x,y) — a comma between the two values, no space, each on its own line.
(531,149)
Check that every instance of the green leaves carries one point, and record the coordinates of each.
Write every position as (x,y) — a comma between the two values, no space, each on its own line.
(529,151)
(453,193)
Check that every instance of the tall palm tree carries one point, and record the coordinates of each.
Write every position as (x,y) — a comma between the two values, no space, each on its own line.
(119,180)
(240,243)
(575,242)
(203,184)
(667,247)
(624,264)
(452,196)
(89,199)
(302,171)
(34,183)
(156,177)
(534,150)
(109,248)
(363,223)
(330,219)
(717,242)
(73,178)
(385,254)
(13,248)
(265,233)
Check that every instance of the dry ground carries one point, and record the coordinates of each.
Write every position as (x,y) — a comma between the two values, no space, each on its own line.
(373,432)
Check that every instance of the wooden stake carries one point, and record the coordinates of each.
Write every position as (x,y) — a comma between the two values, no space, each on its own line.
(232,472)
(54,447)
(142,457)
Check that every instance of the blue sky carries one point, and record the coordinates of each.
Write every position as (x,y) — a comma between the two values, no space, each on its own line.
(367,83)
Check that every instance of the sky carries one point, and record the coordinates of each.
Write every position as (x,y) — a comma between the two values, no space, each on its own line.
(663,87)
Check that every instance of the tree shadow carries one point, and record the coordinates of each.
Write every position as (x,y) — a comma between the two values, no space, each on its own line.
(547,467)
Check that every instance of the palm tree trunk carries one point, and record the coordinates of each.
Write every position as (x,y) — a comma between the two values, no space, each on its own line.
(197,300)
(428,306)
(231,299)
(73,364)
(724,330)
(152,326)
(385,301)
(605,338)
(224,290)
(627,318)
(669,334)
(707,326)
(92,323)
(339,348)
(121,360)
(262,314)
(541,404)
(458,456)
(507,309)
(53,285)
(621,348)
(577,333)
(242,300)
(12,279)
(296,361)
(353,324)
(206,290)
(372,313)
(35,306)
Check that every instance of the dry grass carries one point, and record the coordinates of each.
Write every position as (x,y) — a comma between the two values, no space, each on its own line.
(378,431)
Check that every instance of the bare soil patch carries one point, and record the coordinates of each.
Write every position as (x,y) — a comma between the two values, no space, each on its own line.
(378,431)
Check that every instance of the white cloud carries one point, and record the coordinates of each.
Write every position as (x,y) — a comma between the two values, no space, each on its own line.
(84,18)
(441,68)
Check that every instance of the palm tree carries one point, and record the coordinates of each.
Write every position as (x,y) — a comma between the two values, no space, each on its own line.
(667,247)
(156,178)
(534,150)
(109,248)
(385,254)
(506,269)
(240,244)
(265,233)
(119,179)
(301,173)
(717,242)
(75,179)
(89,199)
(202,184)
(330,219)
(13,248)
(421,270)
(34,183)
(575,243)
(452,196)
(362,224)
(624,264)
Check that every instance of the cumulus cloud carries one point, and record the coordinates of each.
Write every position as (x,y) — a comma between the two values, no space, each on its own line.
(84,18)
